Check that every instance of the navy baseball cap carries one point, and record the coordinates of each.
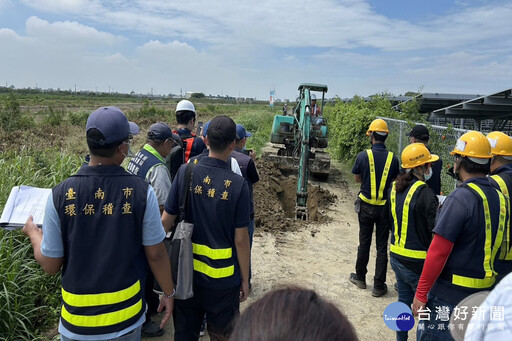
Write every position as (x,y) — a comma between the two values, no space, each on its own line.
(205,128)
(160,131)
(241,132)
(112,124)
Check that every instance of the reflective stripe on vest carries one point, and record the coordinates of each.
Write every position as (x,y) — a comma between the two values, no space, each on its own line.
(91,300)
(377,200)
(188,149)
(505,253)
(214,254)
(399,246)
(489,249)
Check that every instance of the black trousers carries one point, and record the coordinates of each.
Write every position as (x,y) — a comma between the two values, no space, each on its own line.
(370,216)
(221,308)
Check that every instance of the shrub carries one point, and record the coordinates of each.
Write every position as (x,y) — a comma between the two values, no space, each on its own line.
(79,118)
(10,113)
(54,117)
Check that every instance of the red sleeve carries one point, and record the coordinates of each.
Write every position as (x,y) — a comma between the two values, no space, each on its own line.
(437,254)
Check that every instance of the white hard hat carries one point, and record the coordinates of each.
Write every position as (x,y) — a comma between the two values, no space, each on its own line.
(313,97)
(185,105)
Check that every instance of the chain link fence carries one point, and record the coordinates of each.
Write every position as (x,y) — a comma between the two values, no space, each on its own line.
(442,140)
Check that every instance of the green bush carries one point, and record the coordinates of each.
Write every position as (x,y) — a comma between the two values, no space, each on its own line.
(149,112)
(79,118)
(10,113)
(54,117)
(259,123)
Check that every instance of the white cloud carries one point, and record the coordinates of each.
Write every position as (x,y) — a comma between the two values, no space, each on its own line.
(67,32)
(64,6)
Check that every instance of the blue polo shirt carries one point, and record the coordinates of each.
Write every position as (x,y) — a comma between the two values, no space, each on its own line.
(219,203)
(462,222)
(362,167)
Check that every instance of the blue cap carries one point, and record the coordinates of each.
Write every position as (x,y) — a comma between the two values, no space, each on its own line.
(205,128)
(112,123)
(159,131)
(241,133)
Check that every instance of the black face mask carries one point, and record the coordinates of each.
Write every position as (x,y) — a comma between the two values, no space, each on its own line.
(451,173)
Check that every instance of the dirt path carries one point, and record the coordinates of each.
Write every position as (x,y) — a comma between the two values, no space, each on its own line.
(320,256)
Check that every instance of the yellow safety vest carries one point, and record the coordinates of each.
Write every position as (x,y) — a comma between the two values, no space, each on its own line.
(377,200)
(506,253)
(400,240)
(490,250)
(213,255)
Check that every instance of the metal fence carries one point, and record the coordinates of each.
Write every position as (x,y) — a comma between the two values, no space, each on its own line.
(442,140)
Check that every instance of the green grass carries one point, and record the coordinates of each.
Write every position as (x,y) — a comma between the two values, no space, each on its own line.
(29,299)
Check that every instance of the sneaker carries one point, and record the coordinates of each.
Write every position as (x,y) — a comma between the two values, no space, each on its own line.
(359,283)
(202,331)
(378,292)
(151,329)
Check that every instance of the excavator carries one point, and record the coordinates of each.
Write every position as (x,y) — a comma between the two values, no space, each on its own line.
(302,138)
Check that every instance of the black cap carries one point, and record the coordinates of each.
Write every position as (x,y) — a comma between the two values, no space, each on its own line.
(222,128)
(420,132)
(159,131)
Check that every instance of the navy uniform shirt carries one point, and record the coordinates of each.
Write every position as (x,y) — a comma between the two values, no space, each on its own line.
(219,203)
(435,181)
(249,172)
(462,222)
(362,167)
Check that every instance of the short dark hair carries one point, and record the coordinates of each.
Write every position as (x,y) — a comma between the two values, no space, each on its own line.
(221,133)
(98,149)
(473,167)
(184,116)
(502,159)
(292,313)
(379,137)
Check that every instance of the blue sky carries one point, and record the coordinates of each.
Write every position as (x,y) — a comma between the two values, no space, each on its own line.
(246,48)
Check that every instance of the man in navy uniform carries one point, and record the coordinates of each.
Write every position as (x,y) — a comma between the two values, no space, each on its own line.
(149,164)
(467,237)
(100,226)
(249,172)
(218,206)
(501,179)
(375,169)
(419,134)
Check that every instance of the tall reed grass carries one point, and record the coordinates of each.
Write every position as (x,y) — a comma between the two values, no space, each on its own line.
(29,299)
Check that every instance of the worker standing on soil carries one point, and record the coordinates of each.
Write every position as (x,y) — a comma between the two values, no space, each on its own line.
(375,169)
(149,164)
(413,213)
(249,172)
(420,134)
(468,235)
(193,145)
(501,179)
(219,209)
(97,226)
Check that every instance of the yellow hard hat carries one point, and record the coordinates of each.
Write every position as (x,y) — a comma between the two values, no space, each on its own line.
(473,144)
(416,154)
(501,143)
(378,125)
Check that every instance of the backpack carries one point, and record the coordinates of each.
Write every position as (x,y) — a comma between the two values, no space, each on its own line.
(180,153)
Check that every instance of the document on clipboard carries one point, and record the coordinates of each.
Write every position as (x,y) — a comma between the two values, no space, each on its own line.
(24,201)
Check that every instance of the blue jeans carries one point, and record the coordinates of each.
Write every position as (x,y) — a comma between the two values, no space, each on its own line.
(407,281)
(435,329)
(131,336)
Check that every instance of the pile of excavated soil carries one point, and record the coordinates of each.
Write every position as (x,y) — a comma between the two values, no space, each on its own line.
(275,197)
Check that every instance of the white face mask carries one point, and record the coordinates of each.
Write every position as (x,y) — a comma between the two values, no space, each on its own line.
(428,175)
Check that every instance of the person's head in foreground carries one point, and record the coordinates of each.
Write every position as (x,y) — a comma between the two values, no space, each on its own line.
(292,313)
